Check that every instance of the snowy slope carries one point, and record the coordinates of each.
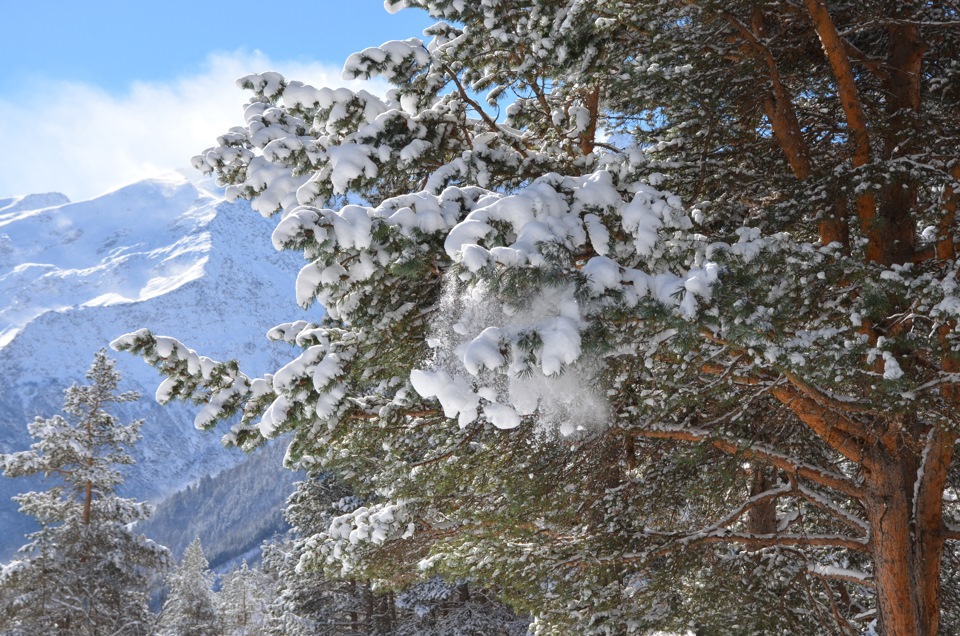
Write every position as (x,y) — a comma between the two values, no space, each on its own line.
(161,254)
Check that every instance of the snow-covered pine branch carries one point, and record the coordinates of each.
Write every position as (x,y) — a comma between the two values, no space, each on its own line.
(606,267)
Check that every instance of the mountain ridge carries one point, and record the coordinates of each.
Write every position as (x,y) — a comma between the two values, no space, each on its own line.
(163,254)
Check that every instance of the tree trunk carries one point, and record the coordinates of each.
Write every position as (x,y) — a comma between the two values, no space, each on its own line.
(906,535)
(899,199)
(87,502)
(762,518)
(894,567)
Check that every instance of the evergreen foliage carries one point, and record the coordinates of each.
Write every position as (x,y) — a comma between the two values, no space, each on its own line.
(309,600)
(84,571)
(190,608)
(648,320)
(242,601)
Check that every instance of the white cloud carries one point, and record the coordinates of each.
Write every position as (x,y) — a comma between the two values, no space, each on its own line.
(81,140)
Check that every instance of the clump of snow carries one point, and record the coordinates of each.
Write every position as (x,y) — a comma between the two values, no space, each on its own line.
(481,369)
(891,368)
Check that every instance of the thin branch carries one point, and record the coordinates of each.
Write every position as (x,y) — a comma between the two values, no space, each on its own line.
(758,541)
(754,451)
(844,516)
(451,452)
(752,541)
(600,144)
(749,504)
(842,624)
(850,576)
(873,65)
(491,124)
(866,26)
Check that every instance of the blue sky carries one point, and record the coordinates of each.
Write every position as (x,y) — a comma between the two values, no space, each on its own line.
(97,94)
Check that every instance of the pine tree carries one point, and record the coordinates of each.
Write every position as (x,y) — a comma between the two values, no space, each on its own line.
(297,605)
(84,571)
(311,597)
(649,316)
(190,608)
(242,601)
(308,600)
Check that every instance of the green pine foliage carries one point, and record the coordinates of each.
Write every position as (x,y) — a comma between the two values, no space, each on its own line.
(647,318)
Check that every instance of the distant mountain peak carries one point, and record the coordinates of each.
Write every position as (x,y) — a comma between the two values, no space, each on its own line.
(10,206)
(164,253)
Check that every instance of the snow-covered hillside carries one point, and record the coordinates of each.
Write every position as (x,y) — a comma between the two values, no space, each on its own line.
(162,254)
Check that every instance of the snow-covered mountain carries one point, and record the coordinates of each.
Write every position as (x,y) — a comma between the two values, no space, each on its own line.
(164,254)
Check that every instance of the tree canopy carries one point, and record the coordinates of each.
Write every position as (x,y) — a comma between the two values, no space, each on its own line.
(84,571)
(644,311)
(191,608)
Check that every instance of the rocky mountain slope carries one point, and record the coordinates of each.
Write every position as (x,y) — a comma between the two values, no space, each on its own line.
(164,254)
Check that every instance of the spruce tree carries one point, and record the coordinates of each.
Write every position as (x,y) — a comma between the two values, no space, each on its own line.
(242,601)
(84,571)
(648,316)
(190,608)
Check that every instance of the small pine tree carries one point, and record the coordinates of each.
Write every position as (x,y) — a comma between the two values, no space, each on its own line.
(83,571)
(191,608)
(242,601)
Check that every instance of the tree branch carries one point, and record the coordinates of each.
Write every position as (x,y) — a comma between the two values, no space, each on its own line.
(451,452)
(836,53)
(832,402)
(779,107)
(753,541)
(491,124)
(748,450)
(829,425)
(749,504)
(840,574)
(847,518)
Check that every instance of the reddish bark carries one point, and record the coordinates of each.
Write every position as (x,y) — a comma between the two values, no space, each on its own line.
(762,518)
(946,249)
(588,136)
(778,104)
(881,236)
(905,507)
(834,226)
(87,502)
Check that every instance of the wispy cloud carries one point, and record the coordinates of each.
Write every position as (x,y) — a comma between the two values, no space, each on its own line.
(81,140)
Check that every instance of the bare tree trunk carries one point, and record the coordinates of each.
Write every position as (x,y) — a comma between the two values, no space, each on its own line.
(762,518)
(905,510)
(888,510)
(898,200)
(87,502)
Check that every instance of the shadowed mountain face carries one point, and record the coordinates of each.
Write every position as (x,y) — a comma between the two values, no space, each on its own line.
(231,512)
(162,254)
